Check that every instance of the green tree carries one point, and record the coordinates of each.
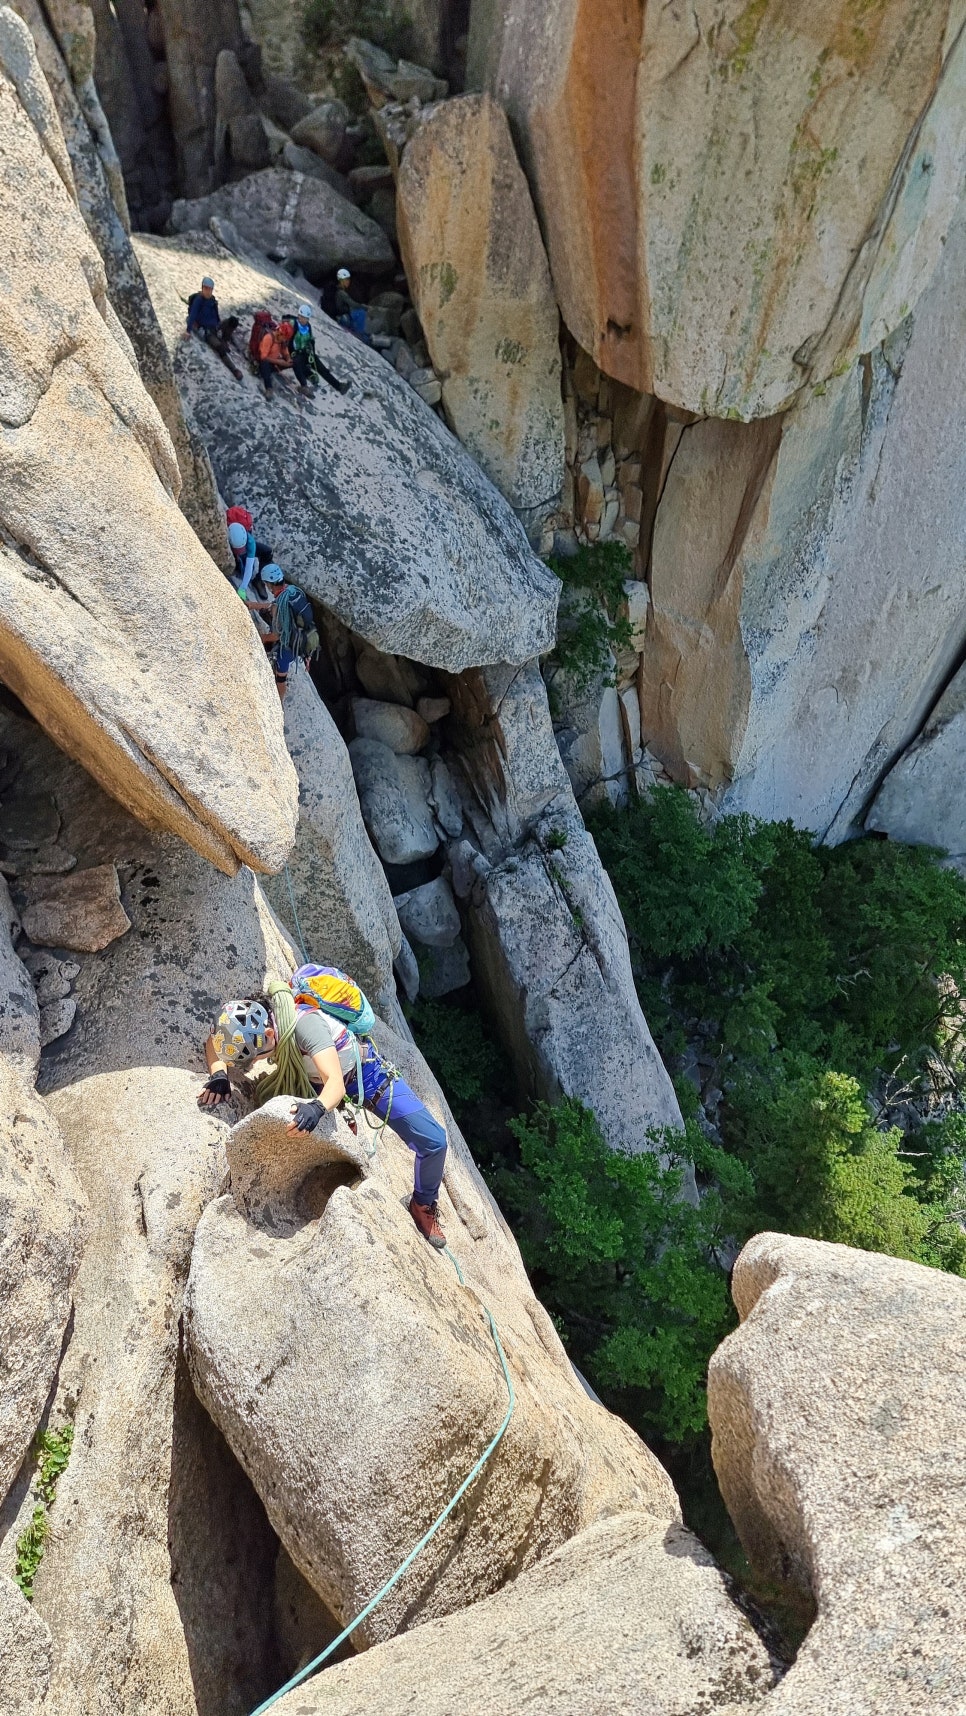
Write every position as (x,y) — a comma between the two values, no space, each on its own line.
(625,1264)
(590,620)
(821,1168)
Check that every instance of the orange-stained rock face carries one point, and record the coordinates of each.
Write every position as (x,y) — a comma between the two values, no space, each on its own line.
(585,143)
(738,196)
(696,683)
(807,603)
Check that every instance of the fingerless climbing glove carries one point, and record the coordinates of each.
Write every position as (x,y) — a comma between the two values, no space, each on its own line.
(219,1083)
(307,1116)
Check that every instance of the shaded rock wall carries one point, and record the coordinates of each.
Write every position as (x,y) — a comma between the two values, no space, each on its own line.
(42,1234)
(921,799)
(338,888)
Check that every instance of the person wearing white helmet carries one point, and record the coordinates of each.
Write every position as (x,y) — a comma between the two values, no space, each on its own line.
(248,554)
(306,363)
(344,302)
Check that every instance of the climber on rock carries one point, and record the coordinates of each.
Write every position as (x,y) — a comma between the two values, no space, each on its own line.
(205,321)
(274,354)
(248,553)
(251,1029)
(348,313)
(307,364)
(292,635)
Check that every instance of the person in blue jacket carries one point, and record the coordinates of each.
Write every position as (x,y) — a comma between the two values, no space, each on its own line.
(205,321)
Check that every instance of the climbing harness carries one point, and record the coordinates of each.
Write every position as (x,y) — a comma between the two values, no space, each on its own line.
(374,1602)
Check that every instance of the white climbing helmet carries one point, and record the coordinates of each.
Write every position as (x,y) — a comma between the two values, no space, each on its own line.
(240,1033)
(305,313)
(343,274)
(237,536)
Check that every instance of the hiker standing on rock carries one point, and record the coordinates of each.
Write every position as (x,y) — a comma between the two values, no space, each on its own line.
(292,636)
(307,364)
(315,1048)
(205,321)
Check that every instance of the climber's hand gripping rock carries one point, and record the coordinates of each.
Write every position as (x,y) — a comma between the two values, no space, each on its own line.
(306,1117)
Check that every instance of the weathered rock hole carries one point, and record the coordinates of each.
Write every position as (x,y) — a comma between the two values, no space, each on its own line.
(318,1186)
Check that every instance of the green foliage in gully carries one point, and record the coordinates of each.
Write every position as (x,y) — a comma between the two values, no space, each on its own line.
(51,1450)
(326,26)
(821,986)
(591,623)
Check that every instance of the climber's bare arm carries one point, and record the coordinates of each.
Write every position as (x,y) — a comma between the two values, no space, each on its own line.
(329,1073)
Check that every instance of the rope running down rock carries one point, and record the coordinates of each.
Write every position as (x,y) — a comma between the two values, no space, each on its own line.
(394,1579)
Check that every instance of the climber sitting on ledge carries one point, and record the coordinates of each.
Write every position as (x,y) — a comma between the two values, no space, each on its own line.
(205,321)
(315,1052)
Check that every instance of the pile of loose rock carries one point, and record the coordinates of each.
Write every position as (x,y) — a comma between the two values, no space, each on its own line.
(598,727)
(411,808)
(49,911)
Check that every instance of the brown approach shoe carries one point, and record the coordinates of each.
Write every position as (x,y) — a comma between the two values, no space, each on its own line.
(426,1217)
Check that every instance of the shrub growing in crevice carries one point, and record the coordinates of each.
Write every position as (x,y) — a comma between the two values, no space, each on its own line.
(814,995)
(51,1449)
(591,624)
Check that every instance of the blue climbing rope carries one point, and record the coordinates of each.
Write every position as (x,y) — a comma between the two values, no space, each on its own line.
(323,1656)
(295,914)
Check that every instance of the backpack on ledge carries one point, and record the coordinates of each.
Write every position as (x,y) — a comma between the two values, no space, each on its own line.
(295,623)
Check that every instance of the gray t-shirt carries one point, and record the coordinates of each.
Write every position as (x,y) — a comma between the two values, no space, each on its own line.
(316,1032)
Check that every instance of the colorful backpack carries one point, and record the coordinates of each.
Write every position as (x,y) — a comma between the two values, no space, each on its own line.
(240,515)
(326,989)
(263,323)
